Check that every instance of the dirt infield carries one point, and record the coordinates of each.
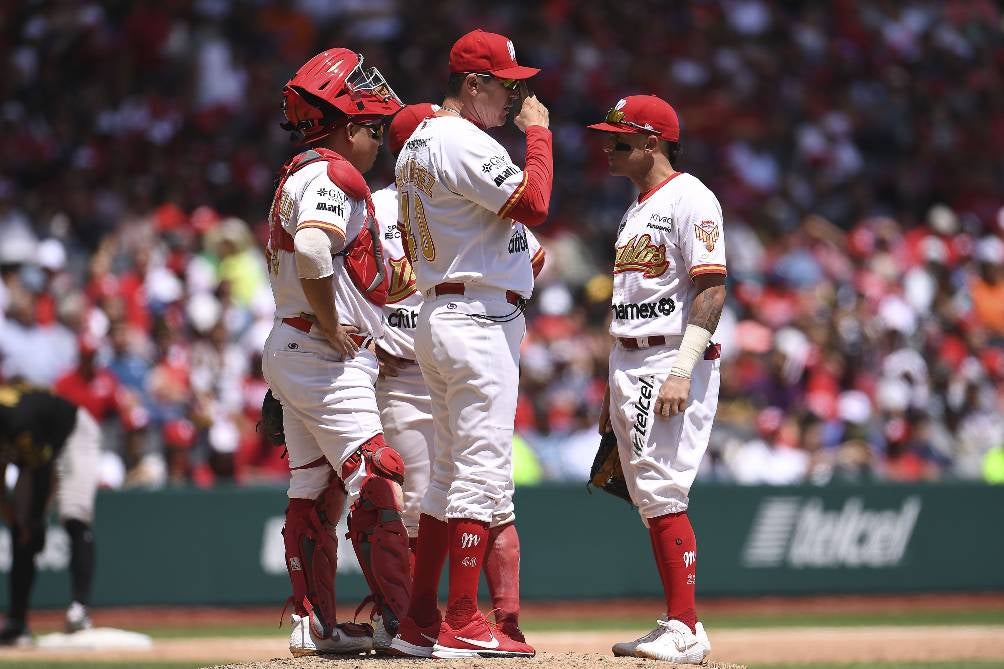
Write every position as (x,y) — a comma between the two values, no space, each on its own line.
(577,650)
(167,617)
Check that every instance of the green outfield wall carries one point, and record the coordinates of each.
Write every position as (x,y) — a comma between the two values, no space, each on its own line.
(223,546)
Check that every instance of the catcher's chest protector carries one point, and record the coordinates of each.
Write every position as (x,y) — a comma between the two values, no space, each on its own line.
(364,254)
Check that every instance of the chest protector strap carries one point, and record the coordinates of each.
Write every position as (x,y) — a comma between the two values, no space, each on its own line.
(363,255)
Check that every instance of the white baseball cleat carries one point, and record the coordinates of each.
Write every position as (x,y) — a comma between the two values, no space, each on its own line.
(676,644)
(305,639)
(628,648)
(77,618)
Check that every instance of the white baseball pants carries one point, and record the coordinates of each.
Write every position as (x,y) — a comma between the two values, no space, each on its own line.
(471,367)
(660,456)
(329,406)
(406,414)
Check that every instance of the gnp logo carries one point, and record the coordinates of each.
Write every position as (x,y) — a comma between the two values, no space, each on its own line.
(468,540)
(800,533)
(689,558)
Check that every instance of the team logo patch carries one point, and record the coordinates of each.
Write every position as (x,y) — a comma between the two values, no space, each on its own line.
(512,49)
(402,279)
(707,232)
(620,104)
(641,255)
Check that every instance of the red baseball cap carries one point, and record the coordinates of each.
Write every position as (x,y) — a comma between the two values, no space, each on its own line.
(405,122)
(642,115)
(480,51)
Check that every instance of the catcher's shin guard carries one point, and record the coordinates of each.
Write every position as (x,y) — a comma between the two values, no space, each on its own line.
(378,534)
(312,553)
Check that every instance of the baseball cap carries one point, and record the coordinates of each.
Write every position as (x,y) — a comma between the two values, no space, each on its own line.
(481,51)
(405,122)
(642,114)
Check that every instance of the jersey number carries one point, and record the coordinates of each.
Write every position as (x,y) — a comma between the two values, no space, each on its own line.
(425,237)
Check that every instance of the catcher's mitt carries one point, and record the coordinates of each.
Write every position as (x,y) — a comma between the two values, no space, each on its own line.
(606,472)
(271,420)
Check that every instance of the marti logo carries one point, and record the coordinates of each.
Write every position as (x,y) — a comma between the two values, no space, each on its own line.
(468,540)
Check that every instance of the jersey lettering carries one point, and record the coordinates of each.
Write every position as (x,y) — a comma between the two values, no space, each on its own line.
(633,311)
(402,280)
(641,255)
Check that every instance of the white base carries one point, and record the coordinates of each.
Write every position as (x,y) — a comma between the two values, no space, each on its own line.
(98,638)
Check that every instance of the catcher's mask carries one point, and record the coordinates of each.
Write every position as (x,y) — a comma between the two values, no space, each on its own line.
(331,89)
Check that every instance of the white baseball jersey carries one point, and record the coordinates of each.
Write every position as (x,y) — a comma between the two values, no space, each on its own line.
(457,185)
(310,199)
(404,299)
(667,237)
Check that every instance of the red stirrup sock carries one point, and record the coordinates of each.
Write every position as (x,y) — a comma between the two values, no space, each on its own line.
(430,553)
(502,571)
(468,544)
(676,554)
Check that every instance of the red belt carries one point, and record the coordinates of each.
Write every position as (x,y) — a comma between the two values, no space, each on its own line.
(713,352)
(305,324)
(511,296)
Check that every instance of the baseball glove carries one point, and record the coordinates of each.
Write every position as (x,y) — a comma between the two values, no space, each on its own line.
(606,472)
(271,420)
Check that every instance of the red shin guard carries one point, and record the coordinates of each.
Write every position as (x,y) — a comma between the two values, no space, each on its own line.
(675,548)
(311,558)
(430,554)
(502,571)
(468,545)
(378,535)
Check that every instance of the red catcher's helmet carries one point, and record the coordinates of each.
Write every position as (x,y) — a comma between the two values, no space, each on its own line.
(335,81)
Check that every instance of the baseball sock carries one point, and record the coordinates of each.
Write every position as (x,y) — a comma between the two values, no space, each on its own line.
(412,547)
(430,552)
(81,559)
(675,548)
(468,545)
(502,571)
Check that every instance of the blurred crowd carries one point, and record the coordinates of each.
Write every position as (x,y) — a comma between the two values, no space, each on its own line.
(857,148)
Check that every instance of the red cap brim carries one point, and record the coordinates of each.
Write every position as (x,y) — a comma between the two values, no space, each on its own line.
(516,72)
(610,127)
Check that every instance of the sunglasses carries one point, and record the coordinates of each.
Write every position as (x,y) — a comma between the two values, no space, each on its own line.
(508,84)
(616,116)
(376,129)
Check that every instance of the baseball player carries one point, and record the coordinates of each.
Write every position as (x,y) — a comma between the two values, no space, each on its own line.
(329,284)
(405,403)
(669,290)
(52,442)
(460,198)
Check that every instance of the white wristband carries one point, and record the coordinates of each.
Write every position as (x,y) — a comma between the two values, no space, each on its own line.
(312,250)
(692,348)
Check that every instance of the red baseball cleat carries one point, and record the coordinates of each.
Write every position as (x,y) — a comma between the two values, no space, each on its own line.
(477,639)
(413,640)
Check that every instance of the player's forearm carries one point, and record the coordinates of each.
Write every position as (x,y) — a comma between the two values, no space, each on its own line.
(533,203)
(702,321)
(706,309)
(320,294)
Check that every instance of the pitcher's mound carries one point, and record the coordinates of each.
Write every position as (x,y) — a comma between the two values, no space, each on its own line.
(98,638)
(541,661)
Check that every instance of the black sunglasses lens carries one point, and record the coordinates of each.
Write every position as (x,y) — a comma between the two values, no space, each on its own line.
(622,146)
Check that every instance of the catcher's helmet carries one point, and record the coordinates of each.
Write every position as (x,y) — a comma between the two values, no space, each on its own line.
(335,81)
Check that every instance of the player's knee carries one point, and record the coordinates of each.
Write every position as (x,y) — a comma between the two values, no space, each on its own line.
(309,483)
(383,460)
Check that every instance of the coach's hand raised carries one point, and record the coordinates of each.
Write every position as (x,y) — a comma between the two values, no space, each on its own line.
(533,112)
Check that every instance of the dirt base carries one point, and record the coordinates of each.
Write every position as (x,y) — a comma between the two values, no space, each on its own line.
(579,650)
